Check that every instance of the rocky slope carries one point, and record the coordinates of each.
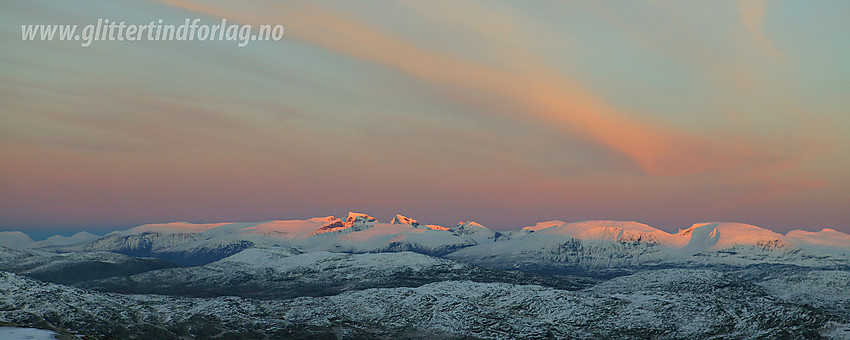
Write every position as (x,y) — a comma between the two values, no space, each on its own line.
(75,267)
(661,304)
(284,273)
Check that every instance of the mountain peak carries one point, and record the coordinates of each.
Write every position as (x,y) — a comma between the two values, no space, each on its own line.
(359,217)
(826,238)
(401,219)
(474,231)
(728,234)
(470,224)
(330,226)
(353,222)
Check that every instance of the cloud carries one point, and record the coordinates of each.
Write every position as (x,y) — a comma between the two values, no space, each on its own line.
(533,91)
(752,16)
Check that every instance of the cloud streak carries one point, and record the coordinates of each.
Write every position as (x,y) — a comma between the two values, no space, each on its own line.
(552,99)
(752,16)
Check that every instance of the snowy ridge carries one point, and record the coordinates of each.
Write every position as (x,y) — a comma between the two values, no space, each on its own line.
(59,240)
(290,229)
(613,231)
(173,228)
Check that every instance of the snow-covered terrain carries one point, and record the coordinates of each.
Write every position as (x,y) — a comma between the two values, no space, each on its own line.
(666,304)
(827,240)
(283,273)
(356,277)
(823,289)
(74,267)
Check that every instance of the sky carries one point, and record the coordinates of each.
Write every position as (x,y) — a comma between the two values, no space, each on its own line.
(507,113)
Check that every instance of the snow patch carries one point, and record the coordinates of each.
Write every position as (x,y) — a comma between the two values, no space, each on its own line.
(20,333)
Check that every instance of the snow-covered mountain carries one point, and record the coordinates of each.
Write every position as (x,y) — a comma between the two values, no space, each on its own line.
(599,245)
(552,245)
(59,240)
(824,241)
(15,240)
(192,244)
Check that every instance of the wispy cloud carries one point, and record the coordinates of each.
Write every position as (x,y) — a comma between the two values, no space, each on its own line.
(752,17)
(534,91)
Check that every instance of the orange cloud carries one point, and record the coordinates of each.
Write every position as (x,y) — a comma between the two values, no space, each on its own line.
(553,99)
(752,15)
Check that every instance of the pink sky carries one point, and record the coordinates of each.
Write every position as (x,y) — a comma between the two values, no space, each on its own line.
(506,113)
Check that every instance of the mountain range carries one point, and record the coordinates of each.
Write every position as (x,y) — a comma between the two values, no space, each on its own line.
(356,277)
(591,245)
